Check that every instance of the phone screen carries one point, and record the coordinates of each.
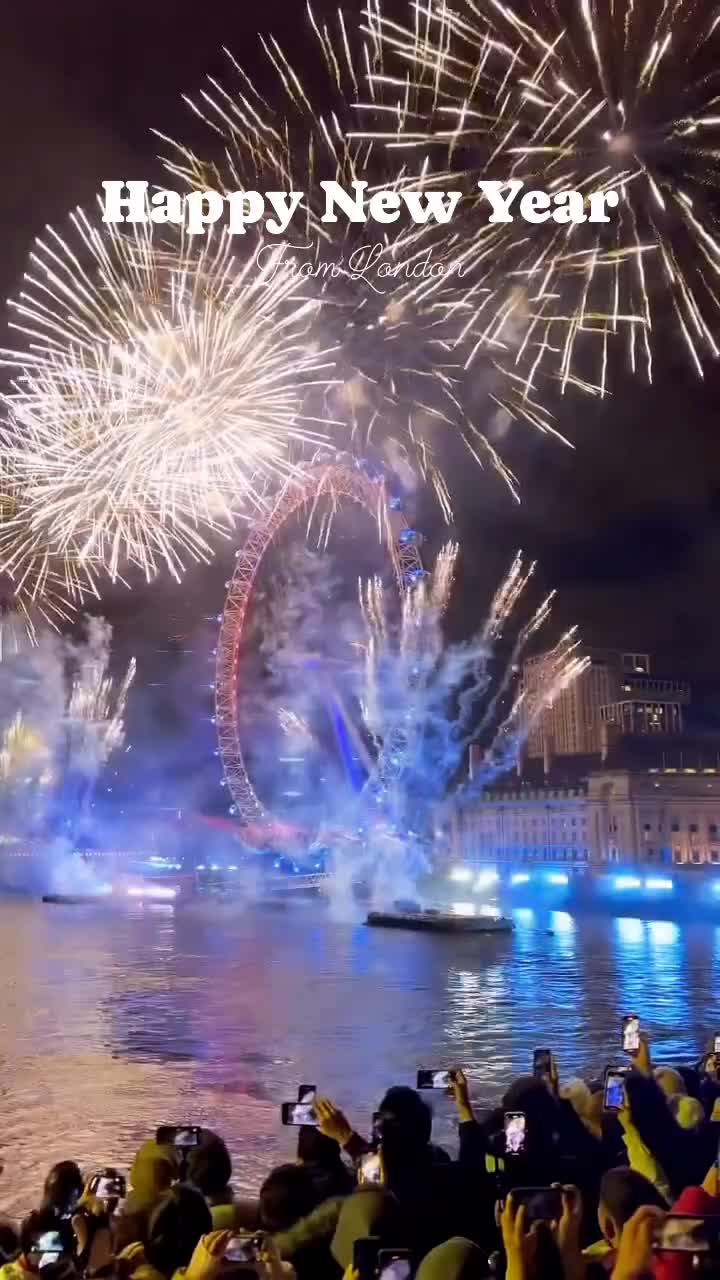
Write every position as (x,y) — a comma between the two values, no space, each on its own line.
(432,1079)
(298,1113)
(307,1093)
(614,1097)
(542,1062)
(370,1171)
(108,1188)
(242,1249)
(179,1135)
(48,1248)
(716,1048)
(515,1128)
(631,1033)
(393,1264)
(542,1204)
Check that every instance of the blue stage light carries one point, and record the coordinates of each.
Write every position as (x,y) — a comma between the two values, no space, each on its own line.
(520,878)
(654,883)
(556,877)
(627,882)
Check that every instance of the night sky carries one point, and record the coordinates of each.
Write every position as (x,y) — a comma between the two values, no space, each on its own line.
(626,527)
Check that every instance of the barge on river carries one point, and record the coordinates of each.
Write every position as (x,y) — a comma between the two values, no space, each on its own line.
(432,921)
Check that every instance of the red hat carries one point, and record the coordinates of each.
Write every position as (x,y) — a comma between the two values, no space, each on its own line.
(678,1266)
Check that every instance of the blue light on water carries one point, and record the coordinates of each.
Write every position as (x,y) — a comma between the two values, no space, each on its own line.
(663,932)
(556,877)
(630,929)
(654,882)
(627,882)
(520,878)
(562,922)
(524,915)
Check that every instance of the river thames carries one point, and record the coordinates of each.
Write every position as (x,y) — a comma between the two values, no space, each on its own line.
(115,1022)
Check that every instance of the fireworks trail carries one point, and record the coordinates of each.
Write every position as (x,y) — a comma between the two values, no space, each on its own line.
(161,390)
(96,708)
(424,702)
(405,352)
(584,95)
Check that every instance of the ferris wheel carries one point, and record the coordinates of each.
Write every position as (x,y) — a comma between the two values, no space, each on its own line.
(340,480)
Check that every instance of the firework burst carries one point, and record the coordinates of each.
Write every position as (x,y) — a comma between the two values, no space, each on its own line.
(404,352)
(161,390)
(582,95)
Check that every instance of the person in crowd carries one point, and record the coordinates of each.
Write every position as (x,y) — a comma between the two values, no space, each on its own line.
(209,1168)
(322,1158)
(63,1188)
(444,1199)
(622,1192)
(176,1223)
(27,1260)
(153,1172)
(301,1227)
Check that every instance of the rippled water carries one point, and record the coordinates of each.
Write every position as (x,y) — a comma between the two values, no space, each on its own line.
(114,1023)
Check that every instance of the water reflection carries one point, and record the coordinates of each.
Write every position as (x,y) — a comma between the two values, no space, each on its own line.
(112,1024)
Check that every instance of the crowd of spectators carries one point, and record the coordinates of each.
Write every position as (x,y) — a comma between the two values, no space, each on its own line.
(565,1180)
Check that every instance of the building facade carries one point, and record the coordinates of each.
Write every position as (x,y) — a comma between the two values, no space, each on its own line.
(653,816)
(617,690)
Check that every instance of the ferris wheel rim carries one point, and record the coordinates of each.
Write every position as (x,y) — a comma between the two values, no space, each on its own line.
(341,480)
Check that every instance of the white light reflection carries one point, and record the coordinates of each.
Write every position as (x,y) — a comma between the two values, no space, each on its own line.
(663,933)
(524,915)
(630,931)
(562,922)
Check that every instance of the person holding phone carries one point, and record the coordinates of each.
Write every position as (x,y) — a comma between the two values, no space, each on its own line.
(152,1173)
(39,1230)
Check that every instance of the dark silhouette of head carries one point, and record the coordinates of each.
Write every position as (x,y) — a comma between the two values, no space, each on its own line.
(176,1224)
(622,1192)
(286,1195)
(314,1147)
(404,1124)
(63,1187)
(208,1166)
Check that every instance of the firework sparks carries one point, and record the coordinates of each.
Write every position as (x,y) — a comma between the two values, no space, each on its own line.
(96,707)
(574,96)
(424,702)
(404,351)
(161,390)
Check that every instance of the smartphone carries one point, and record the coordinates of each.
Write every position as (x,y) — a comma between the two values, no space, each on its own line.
(614,1095)
(432,1079)
(179,1135)
(243,1248)
(542,1204)
(377,1128)
(542,1062)
(366,1252)
(515,1132)
(298,1113)
(108,1186)
(687,1233)
(307,1093)
(370,1171)
(716,1044)
(47,1248)
(393,1264)
(631,1033)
